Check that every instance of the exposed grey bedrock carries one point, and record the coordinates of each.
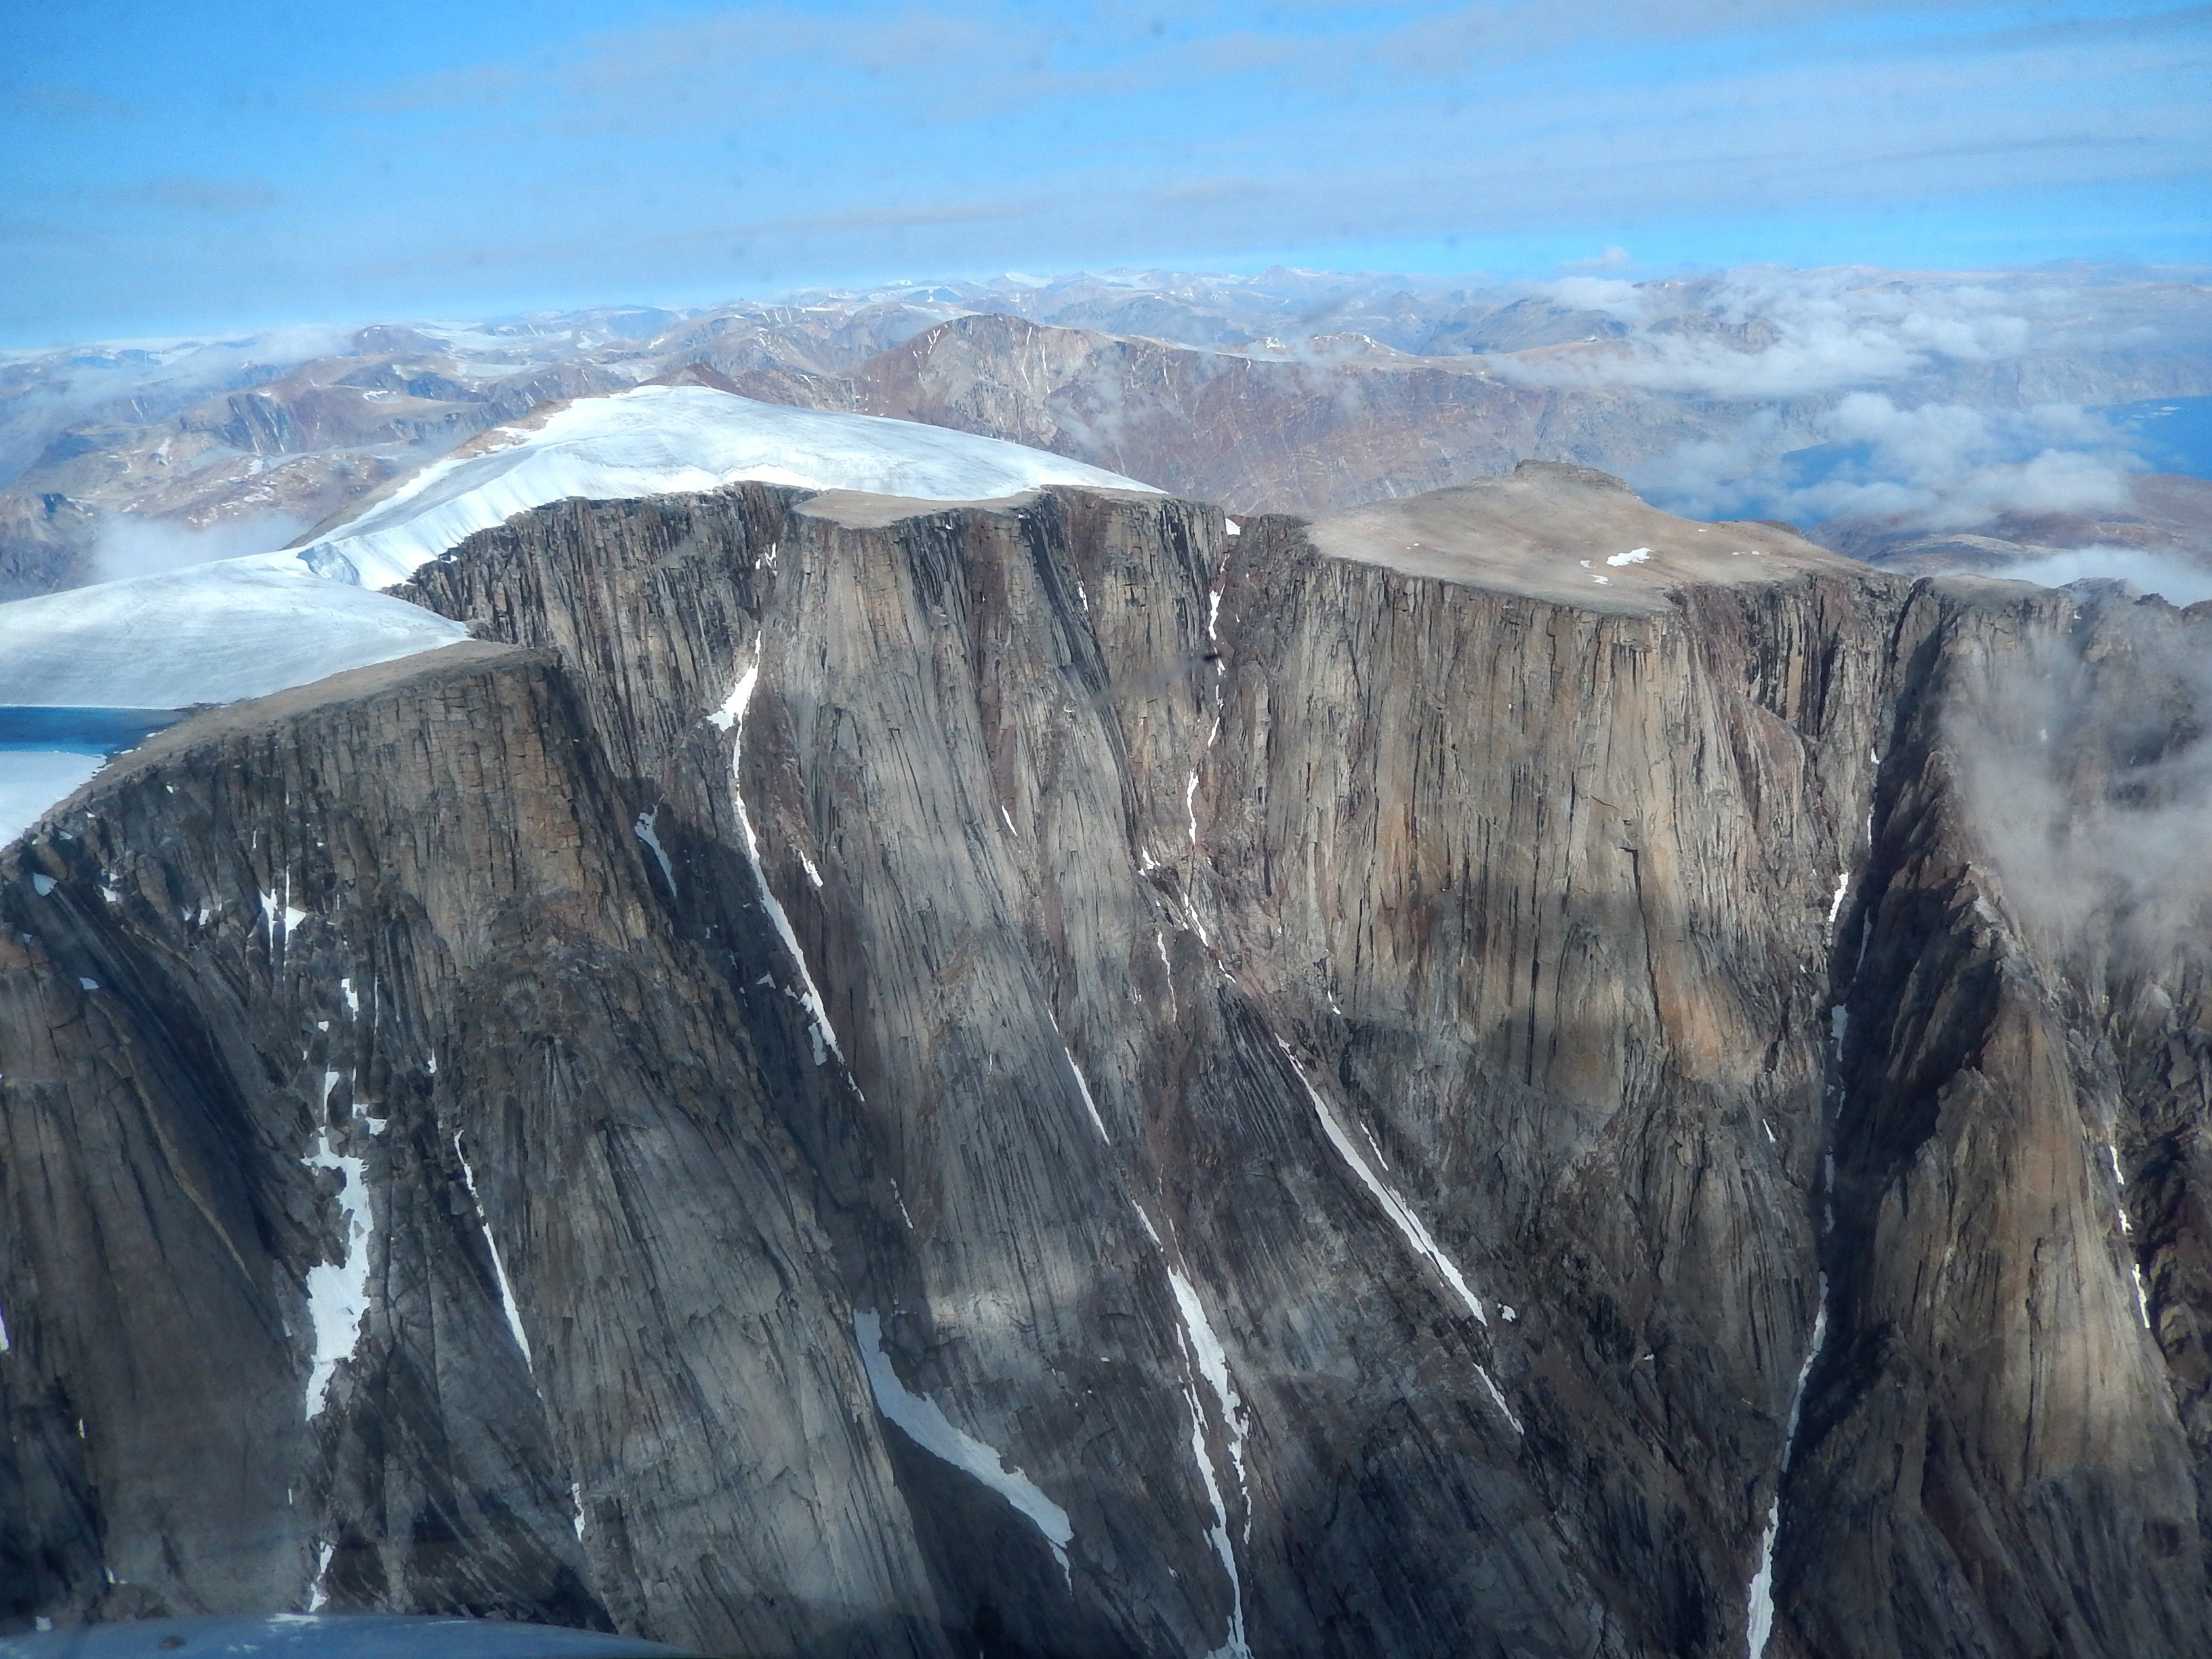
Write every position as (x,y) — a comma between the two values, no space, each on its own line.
(859,1078)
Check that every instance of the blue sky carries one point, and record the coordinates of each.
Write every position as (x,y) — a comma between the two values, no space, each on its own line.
(170,167)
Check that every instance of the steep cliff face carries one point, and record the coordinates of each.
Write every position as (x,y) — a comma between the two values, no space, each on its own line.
(2005,1448)
(381,1230)
(1033,1076)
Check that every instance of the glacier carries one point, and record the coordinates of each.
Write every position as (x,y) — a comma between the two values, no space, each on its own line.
(660,440)
(32,780)
(239,627)
(209,633)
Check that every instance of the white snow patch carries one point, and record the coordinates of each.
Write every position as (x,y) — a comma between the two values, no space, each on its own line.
(498,1268)
(89,984)
(1230,527)
(1634,555)
(813,875)
(338,1293)
(1409,1225)
(662,440)
(211,633)
(1836,904)
(576,1507)
(1206,1358)
(31,781)
(648,833)
(275,912)
(42,885)
(1083,1089)
(1761,1614)
(3,1332)
(929,1428)
(1213,1362)
(1190,803)
(730,717)
(318,1597)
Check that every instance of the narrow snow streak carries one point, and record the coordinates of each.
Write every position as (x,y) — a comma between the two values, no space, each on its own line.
(338,1293)
(730,717)
(647,833)
(1836,904)
(2127,1232)
(1212,1361)
(1402,1216)
(498,1268)
(318,1597)
(937,1434)
(1084,1088)
(3,1332)
(1760,1622)
(1205,1357)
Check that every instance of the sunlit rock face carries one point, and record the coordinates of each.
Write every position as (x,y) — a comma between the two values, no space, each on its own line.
(1503,1073)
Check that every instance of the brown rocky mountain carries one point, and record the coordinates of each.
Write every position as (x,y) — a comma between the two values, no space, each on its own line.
(1495,1073)
(1292,391)
(1334,426)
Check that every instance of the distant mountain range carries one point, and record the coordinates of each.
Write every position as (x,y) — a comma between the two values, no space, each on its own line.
(1881,408)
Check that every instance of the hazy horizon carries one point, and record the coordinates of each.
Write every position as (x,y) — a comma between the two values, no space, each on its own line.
(181,170)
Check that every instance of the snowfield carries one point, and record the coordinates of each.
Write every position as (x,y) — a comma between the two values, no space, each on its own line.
(662,440)
(32,780)
(211,633)
(233,628)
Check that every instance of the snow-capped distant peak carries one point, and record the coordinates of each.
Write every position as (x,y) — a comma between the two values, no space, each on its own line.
(665,440)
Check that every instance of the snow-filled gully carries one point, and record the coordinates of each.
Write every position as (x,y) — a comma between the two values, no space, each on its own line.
(498,1266)
(1759,1595)
(731,718)
(338,1292)
(1410,1226)
(1204,1357)
(928,1426)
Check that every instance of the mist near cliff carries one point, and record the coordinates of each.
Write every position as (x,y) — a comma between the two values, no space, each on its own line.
(2087,769)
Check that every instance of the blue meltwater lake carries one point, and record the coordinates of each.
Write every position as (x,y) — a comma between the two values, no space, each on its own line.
(82,731)
(46,751)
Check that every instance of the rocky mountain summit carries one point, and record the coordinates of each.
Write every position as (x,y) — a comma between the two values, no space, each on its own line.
(1498,1072)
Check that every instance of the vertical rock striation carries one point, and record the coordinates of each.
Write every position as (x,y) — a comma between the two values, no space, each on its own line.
(1501,1073)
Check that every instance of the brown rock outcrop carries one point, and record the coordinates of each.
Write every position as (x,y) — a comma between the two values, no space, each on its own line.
(1040,1077)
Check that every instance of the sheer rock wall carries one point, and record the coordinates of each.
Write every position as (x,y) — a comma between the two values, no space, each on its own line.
(1046,1079)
